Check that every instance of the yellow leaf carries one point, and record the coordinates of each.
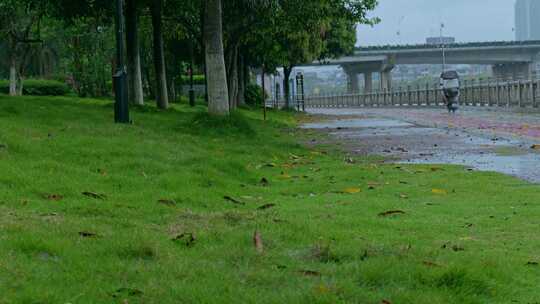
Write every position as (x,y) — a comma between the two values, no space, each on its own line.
(439,191)
(352,190)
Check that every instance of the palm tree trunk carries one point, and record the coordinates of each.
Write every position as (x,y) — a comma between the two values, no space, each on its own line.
(232,77)
(12,76)
(218,96)
(162,97)
(136,95)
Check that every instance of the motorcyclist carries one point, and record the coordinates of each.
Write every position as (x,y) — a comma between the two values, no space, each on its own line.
(450,90)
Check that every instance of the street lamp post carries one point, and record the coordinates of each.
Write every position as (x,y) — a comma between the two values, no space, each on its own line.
(121,108)
(442,47)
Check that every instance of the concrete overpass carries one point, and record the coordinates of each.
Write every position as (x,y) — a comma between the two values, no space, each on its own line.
(508,60)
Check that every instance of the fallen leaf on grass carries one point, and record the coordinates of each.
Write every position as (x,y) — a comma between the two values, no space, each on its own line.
(257,241)
(439,191)
(232,200)
(167,202)
(352,190)
(386,302)
(391,212)
(86,234)
(284,175)
(532,263)
(430,264)
(266,206)
(53,197)
(264,182)
(310,273)
(268,165)
(132,292)
(435,169)
(187,239)
(403,196)
(95,195)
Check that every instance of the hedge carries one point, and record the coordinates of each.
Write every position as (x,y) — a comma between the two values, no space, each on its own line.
(38,87)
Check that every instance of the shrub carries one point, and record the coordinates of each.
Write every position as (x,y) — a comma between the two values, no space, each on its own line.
(38,87)
(197,80)
(254,94)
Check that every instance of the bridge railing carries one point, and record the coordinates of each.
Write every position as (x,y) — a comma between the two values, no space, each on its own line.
(486,93)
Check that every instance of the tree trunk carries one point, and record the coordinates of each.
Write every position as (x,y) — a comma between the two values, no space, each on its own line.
(286,87)
(232,78)
(13,77)
(241,81)
(20,85)
(136,95)
(162,97)
(218,96)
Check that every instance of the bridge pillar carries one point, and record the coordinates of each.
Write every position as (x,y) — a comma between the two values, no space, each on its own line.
(368,82)
(353,86)
(511,71)
(386,80)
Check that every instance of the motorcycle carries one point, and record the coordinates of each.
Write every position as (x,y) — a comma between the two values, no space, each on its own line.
(450,87)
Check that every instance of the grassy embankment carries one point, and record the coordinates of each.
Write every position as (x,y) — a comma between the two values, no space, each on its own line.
(154,225)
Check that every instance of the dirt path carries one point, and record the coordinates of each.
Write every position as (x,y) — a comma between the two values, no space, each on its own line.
(483,140)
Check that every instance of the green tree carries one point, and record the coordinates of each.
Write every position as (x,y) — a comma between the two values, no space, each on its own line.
(19,28)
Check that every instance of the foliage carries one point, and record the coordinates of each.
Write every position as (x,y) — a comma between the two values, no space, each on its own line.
(254,95)
(197,80)
(38,87)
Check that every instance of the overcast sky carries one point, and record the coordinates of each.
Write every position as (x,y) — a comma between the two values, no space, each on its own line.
(466,20)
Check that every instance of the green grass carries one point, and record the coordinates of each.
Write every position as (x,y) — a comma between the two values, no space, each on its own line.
(475,242)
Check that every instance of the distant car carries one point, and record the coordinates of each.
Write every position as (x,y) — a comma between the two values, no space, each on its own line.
(450,89)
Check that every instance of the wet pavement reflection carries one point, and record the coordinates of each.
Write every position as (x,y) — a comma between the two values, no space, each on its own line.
(430,140)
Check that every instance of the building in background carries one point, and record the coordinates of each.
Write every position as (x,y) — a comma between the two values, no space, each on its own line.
(527,18)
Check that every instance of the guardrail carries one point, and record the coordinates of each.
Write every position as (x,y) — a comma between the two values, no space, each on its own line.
(516,93)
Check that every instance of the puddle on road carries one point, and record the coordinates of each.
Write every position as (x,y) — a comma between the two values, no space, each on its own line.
(358,123)
(426,145)
(522,166)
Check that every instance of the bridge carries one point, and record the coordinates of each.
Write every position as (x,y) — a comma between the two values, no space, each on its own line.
(509,60)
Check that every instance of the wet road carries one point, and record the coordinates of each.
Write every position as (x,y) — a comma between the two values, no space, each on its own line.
(479,139)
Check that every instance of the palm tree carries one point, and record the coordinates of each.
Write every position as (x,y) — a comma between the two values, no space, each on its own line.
(216,72)
(218,93)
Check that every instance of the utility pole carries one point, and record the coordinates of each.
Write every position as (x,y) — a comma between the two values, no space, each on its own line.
(442,48)
(121,108)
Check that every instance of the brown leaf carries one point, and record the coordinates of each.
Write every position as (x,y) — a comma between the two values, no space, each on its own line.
(167,202)
(264,182)
(187,238)
(386,302)
(87,234)
(431,264)
(232,200)
(258,242)
(535,147)
(53,197)
(391,212)
(266,206)
(310,273)
(435,169)
(94,195)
